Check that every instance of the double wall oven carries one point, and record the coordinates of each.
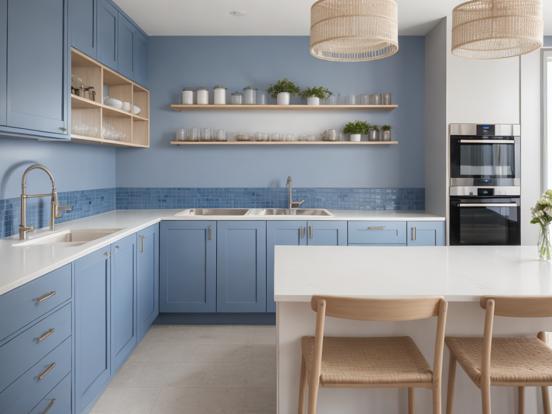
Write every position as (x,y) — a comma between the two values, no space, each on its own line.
(485,184)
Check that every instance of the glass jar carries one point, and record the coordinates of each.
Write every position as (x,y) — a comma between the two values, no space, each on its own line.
(236,99)
(375,99)
(386,98)
(249,96)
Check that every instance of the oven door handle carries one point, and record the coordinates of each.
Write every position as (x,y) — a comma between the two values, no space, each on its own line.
(489,141)
(489,205)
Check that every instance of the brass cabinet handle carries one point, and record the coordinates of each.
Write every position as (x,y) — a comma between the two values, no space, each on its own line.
(49,406)
(310,232)
(375,228)
(142,243)
(45,335)
(302,232)
(209,233)
(413,234)
(46,371)
(45,297)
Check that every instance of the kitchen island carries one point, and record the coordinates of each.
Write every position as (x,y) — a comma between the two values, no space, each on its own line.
(460,274)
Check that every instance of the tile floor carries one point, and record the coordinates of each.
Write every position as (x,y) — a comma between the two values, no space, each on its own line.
(184,369)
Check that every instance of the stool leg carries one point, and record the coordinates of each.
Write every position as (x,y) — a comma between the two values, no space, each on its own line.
(410,400)
(521,400)
(450,385)
(313,395)
(486,397)
(302,387)
(545,400)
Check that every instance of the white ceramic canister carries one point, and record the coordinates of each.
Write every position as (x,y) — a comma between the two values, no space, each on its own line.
(187,97)
(313,100)
(249,96)
(283,98)
(219,95)
(356,137)
(202,96)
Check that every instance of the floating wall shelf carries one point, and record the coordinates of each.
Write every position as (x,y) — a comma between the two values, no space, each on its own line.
(229,107)
(196,143)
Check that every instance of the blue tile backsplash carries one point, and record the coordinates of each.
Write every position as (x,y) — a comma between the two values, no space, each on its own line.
(89,202)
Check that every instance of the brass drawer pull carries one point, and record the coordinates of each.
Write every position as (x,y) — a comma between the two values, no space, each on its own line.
(209,233)
(45,297)
(49,406)
(311,232)
(45,335)
(142,243)
(46,371)
(376,228)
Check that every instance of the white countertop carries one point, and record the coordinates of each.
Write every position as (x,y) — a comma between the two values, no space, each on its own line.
(19,265)
(458,273)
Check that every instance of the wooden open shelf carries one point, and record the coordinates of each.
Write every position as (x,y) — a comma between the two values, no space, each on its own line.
(93,122)
(230,107)
(175,142)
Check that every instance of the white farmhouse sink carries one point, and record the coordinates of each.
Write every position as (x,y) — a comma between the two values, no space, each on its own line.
(72,237)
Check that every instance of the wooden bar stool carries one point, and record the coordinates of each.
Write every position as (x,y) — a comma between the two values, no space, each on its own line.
(371,362)
(511,362)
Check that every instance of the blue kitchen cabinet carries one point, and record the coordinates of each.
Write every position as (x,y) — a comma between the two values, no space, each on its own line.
(241,266)
(140,58)
(147,279)
(377,233)
(188,267)
(91,327)
(37,71)
(280,233)
(108,17)
(83,26)
(123,300)
(327,233)
(426,233)
(3,58)
(125,46)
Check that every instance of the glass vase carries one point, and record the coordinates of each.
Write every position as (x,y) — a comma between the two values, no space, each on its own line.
(544,243)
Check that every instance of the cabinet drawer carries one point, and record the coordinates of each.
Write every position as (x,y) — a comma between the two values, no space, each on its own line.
(377,232)
(31,387)
(25,350)
(58,401)
(31,301)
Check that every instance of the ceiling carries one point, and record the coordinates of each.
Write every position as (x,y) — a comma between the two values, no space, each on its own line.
(269,17)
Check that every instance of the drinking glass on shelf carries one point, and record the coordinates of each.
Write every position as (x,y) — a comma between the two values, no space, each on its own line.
(195,134)
(375,99)
(350,99)
(261,98)
(206,134)
(386,98)
(221,135)
(181,134)
(332,100)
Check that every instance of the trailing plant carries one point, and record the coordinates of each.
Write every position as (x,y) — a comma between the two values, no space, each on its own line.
(356,127)
(317,91)
(283,85)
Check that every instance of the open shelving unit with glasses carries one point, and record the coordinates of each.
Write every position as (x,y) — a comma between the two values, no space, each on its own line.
(361,143)
(230,107)
(94,122)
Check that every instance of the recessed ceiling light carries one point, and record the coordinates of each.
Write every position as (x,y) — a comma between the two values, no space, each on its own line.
(238,13)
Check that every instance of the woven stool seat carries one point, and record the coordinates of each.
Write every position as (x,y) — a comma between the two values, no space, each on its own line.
(368,361)
(513,360)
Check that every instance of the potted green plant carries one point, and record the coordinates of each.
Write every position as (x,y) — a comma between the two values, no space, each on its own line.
(373,133)
(356,129)
(315,94)
(283,90)
(386,133)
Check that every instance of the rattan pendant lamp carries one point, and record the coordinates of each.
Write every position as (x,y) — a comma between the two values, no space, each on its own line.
(495,29)
(354,30)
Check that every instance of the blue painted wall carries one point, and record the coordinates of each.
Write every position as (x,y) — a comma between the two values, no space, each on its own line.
(177,62)
(548,41)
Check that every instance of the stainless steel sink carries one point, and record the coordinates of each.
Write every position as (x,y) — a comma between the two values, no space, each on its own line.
(291,212)
(71,237)
(213,212)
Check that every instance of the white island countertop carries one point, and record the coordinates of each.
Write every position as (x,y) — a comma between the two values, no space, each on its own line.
(20,265)
(458,273)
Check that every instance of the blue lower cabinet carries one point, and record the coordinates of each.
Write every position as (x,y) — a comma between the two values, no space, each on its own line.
(188,267)
(327,233)
(280,233)
(147,279)
(377,233)
(123,300)
(426,233)
(58,401)
(91,329)
(241,266)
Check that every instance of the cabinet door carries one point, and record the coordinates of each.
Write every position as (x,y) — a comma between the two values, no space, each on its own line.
(125,45)
(140,58)
(327,233)
(107,33)
(188,267)
(91,329)
(241,266)
(280,233)
(3,58)
(37,89)
(376,233)
(82,26)
(123,300)
(426,233)
(147,279)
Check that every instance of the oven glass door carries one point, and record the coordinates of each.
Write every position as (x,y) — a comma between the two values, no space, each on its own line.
(473,158)
(485,222)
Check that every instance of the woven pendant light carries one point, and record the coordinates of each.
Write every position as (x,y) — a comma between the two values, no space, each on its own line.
(354,30)
(494,29)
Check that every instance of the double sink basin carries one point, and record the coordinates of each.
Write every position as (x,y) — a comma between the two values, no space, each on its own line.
(311,212)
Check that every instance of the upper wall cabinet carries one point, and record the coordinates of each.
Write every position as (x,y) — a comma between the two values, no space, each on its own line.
(107,33)
(3,57)
(125,47)
(140,58)
(83,26)
(35,40)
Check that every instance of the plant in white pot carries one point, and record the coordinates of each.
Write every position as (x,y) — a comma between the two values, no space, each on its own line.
(356,129)
(386,133)
(315,94)
(283,90)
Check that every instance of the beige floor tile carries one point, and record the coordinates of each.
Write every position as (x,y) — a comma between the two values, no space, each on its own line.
(124,400)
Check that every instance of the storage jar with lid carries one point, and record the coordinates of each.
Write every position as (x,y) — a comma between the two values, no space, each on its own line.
(219,95)
(249,95)
(237,98)
(187,97)
(202,96)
